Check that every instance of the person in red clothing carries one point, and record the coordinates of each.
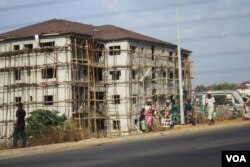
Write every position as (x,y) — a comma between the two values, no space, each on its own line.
(19,126)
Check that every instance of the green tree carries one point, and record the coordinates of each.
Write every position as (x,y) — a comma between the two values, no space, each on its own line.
(200,88)
(224,86)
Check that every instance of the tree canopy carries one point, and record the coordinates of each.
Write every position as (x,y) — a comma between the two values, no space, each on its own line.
(224,86)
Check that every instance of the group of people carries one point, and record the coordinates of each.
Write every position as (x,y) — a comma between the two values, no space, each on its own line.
(170,114)
(146,116)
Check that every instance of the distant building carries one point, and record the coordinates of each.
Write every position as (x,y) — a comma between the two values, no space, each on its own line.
(99,75)
(243,88)
(211,87)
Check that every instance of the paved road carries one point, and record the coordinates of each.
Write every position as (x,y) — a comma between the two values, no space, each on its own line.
(200,149)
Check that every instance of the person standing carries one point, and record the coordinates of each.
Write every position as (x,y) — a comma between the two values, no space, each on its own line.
(19,126)
(174,111)
(167,108)
(189,111)
(168,114)
(246,107)
(210,107)
(149,110)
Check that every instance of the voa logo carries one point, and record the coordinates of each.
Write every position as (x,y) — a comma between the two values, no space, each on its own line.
(236,158)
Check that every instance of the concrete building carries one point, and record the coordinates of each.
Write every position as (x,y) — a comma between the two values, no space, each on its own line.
(243,88)
(99,75)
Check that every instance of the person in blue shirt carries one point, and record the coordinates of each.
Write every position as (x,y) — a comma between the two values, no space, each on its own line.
(174,111)
(189,112)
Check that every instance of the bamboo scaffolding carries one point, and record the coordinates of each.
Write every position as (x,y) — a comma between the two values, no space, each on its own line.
(84,53)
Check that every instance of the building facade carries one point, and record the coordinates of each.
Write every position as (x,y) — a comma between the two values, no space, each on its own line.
(98,75)
(243,88)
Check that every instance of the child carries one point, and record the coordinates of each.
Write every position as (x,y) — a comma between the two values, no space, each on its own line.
(142,120)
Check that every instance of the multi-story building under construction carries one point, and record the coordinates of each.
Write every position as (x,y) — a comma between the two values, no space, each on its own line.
(100,75)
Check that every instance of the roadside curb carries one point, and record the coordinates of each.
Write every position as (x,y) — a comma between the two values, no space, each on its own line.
(178,130)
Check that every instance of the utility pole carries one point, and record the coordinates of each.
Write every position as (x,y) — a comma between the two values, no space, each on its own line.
(179,65)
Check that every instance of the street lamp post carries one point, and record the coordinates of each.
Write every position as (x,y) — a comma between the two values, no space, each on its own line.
(179,65)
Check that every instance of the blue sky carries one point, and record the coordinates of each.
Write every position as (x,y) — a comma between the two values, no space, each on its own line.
(217,31)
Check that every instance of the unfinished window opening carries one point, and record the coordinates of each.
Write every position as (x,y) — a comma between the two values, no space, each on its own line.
(134,98)
(142,50)
(154,91)
(153,52)
(170,55)
(16,47)
(136,121)
(132,49)
(85,71)
(171,75)
(116,99)
(31,98)
(98,75)
(153,73)
(48,73)
(176,74)
(114,50)
(116,125)
(18,99)
(164,74)
(100,95)
(133,74)
(28,72)
(17,74)
(100,124)
(115,75)
(47,46)
(48,100)
(28,47)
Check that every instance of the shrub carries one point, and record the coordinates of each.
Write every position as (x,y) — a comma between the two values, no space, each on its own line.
(42,120)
